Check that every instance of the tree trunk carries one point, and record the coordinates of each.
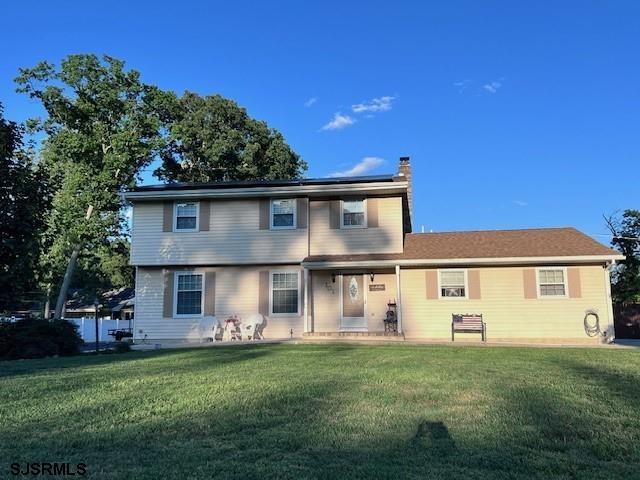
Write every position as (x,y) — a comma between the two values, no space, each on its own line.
(68,275)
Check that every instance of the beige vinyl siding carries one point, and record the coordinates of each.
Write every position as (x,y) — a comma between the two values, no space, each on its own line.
(148,315)
(234,237)
(508,314)
(377,300)
(236,293)
(325,311)
(386,238)
(326,302)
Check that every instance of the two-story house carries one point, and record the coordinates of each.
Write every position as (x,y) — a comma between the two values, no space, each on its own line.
(327,256)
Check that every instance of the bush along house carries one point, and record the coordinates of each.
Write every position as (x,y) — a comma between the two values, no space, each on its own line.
(336,257)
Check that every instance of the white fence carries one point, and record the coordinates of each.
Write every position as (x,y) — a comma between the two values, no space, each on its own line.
(87,328)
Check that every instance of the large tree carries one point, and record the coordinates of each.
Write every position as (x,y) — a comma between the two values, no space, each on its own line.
(213,139)
(102,127)
(626,238)
(23,200)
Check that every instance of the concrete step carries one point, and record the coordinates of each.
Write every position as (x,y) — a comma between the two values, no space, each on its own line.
(356,336)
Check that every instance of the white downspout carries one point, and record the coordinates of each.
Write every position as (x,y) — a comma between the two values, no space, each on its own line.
(135,299)
(607,283)
(399,300)
(306,300)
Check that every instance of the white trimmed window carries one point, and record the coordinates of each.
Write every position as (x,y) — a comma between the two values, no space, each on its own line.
(188,299)
(284,293)
(283,213)
(185,216)
(552,282)
(453,283)
(353,214)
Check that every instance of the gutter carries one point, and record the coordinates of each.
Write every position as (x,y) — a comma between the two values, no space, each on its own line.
(465,261)
(390,187)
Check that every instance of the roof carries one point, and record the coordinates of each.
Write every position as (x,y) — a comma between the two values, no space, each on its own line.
(374,185)
(263,183)
(113,300)
(483,246)
(538,242)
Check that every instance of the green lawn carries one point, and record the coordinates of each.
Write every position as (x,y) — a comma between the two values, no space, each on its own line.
(322,411)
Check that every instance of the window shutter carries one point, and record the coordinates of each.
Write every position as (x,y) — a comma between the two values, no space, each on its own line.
(263,293)
(205,214)
(372,212)
(301,212)
(210,293)
(265,213)
(167,219)
(573,278)
(431,279)
(473,277)
(167,306)
(529,281)
(334,214)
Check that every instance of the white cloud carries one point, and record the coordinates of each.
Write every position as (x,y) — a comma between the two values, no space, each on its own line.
(492,87)
(310,101)
(362,167)
(462,85)
(520,203)
(339,121)
(380,104)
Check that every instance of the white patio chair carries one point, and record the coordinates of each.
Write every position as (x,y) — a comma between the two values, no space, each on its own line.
(208,330)
(250,328)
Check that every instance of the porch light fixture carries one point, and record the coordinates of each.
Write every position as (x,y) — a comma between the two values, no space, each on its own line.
(333,278)
(372,276)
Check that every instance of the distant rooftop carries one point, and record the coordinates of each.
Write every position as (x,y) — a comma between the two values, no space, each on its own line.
(265,183)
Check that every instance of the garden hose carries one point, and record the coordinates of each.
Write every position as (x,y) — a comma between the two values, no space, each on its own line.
(592,323)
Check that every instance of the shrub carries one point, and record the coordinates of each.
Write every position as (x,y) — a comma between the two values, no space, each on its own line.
(38,338)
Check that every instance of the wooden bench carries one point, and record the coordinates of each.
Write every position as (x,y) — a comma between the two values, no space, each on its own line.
(468,323)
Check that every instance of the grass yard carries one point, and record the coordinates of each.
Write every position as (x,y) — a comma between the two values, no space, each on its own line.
(323,411)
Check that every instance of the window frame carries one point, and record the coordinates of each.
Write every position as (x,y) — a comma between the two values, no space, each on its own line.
(271,313)
(364,206)
(175,295)
(466,283)
(565,282)
(295,215)
(175,217)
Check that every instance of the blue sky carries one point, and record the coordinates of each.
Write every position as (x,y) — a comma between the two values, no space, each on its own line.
(513,115)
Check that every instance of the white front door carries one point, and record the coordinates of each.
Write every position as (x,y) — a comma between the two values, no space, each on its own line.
(353,303)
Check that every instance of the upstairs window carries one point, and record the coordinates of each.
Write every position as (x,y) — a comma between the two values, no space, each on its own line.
(188,294)
(186,217)
(353,214)
(552,282)
(453,283)
(283,213)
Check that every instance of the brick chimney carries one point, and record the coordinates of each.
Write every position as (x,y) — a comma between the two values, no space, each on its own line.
(404,170)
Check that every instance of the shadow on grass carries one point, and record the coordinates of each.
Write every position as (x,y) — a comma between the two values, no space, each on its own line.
(434,435)
(299,424)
